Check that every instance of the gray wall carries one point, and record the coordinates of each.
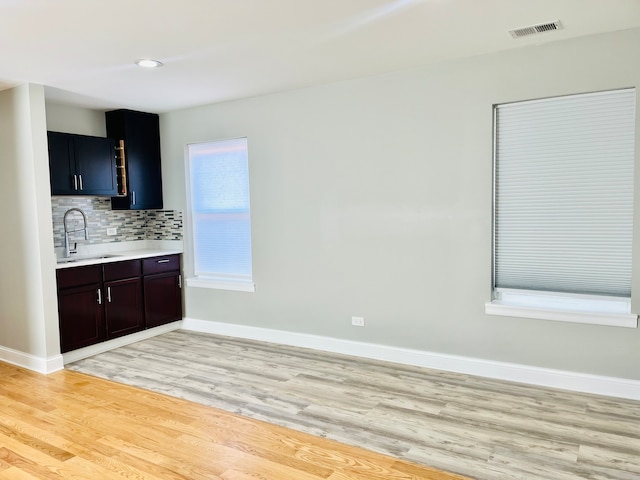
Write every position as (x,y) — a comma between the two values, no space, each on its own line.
(372,197)
(72,119)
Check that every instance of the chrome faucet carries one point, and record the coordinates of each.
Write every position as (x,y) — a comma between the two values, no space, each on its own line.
(67,249)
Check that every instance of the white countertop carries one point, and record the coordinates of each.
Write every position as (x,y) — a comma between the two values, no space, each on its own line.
(117,252)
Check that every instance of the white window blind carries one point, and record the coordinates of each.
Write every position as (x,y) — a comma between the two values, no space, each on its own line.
(220,213)
(563,218)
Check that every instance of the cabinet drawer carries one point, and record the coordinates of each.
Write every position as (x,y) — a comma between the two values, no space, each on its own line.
(119,270)
(165,263)
(76,276)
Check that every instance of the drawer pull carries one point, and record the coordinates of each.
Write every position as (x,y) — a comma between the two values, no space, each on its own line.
(166,260)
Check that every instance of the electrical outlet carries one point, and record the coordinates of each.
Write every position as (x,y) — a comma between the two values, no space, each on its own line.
(357,321)
(112,231)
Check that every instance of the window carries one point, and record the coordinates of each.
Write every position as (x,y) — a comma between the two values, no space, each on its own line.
(219,215)
(563,208)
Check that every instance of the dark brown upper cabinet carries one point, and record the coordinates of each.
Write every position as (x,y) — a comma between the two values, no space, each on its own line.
(141,180)
(81,164)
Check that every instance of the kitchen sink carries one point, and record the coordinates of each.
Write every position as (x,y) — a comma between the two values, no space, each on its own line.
(86,257)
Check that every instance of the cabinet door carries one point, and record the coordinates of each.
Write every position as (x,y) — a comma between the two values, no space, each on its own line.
(80,316)
(95,165)
(61,163)
(141,134)
(162,298)
(123,307)
(81,164)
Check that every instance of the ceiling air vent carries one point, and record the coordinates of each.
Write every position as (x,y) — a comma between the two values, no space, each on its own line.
(535,29)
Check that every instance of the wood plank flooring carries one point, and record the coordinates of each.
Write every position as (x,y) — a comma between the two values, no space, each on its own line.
(68,425)
(485,429)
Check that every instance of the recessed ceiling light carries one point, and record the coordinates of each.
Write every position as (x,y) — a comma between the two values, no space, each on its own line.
(148,63)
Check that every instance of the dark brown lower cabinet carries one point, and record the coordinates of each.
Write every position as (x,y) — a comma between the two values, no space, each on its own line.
(100,302)
(79,308)
(162,290)
(123,309)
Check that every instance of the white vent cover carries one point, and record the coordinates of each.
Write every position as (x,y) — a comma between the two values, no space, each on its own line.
(535,29)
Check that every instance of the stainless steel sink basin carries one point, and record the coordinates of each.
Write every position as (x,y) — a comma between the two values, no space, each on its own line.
(86,257)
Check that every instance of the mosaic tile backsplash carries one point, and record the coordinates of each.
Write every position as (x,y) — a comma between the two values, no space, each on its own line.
(130,224)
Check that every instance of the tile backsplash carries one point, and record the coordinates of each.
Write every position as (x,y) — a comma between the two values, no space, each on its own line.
(129,224)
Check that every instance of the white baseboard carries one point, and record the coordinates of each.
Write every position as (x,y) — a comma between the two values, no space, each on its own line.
(31,362)
(544,377)
(79,354)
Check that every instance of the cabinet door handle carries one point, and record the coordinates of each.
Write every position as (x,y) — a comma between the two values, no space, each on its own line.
(75,181)
(109,294)
(179,281)
(99,297)
(166,260)
(133,197)
(81,188)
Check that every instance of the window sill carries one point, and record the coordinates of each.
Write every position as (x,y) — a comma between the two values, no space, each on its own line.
(608,319)
(238,286)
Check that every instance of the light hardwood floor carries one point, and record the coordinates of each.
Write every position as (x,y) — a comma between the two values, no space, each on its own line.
(482,428)
(68,425)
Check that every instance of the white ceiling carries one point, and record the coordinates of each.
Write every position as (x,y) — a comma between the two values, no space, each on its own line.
(215,50)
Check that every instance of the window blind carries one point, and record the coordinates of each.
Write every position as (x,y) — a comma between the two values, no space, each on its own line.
(563,206)
(220,213)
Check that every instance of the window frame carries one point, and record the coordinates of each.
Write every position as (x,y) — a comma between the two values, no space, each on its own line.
(554,306)
(240,283)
